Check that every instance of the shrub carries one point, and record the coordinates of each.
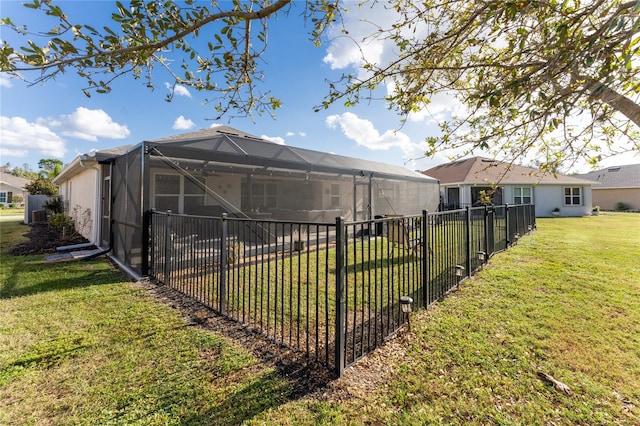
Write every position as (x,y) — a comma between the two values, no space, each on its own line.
(621,206)
(54,205)
(61,224)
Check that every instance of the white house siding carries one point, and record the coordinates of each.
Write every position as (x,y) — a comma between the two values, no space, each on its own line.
(548,197)
(79,194)
(545,197)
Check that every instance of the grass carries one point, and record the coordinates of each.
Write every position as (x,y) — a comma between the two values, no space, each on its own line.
(16,211)
(82,346)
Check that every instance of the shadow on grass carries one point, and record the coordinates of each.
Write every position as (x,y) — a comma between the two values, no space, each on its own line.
(62,276)
(262,394)
(293,376)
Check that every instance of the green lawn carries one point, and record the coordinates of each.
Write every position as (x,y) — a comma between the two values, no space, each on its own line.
(81,345)
(16,211)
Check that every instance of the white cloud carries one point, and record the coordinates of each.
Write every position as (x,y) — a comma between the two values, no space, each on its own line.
(5,81)
(182,123)
(87,124)
(18,137)
(274,139)
(442,106)
(365,134)
(290,133)
(362,24)
(214,125)
(178,89)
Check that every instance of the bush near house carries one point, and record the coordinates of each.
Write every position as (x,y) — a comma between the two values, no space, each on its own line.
(620,206)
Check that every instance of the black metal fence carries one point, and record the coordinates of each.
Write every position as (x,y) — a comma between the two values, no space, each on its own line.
(331,290)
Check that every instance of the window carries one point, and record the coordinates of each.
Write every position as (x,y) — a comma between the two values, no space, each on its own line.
(573,196)
(175,193)
(3,197)
(479,195)
(263,195)
(522,195)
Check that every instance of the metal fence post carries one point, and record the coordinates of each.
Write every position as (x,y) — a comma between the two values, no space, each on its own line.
(507,224)
(152,242)
(468,240)
(486,233)
(340,302)
(223,263)
(425,259)
(167,249)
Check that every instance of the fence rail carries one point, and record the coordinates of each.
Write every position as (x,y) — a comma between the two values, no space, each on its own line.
(331,290)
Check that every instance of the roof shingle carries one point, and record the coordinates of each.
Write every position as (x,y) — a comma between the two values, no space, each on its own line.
(615,177)
(480,170)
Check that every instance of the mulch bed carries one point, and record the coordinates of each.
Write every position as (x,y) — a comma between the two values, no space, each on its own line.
(43,240)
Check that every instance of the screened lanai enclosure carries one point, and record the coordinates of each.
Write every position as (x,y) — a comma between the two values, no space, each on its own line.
(317,252)
(221,170)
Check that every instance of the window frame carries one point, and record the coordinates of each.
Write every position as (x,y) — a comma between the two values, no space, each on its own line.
(263,194)
(519,198)
(180,195)
(572,196)
(6,196)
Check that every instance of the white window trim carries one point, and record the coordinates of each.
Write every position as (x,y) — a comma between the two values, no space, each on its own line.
(181,195)
(581,195)
(530,188)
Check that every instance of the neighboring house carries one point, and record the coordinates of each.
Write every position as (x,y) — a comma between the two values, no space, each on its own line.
(616,184)
(221,170)
(463,182)
(11,186)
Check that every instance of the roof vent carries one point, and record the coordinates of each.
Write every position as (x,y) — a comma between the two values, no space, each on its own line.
(614,169)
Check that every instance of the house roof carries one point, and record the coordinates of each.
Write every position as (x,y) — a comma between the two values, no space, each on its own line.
(480,170)
(14,181)
(212,131)
(615,177)
(227,145)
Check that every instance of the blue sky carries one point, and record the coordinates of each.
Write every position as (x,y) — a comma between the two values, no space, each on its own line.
(56,120)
